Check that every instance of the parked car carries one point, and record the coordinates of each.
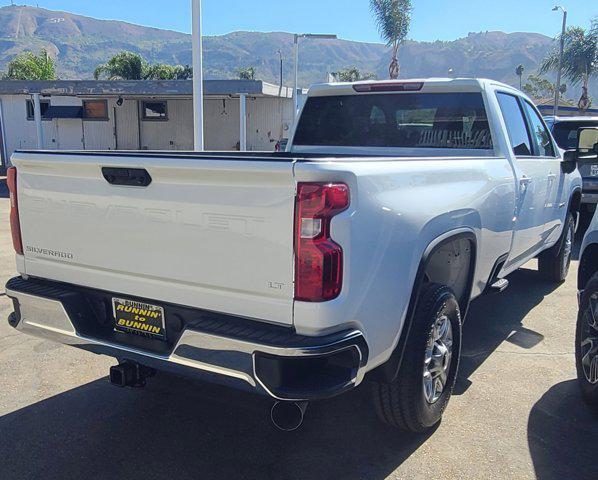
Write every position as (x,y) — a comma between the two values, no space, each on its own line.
(353,255)
(565,131)
(586,339)
(281,145)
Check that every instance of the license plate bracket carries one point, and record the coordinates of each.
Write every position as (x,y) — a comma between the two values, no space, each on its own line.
(139,318)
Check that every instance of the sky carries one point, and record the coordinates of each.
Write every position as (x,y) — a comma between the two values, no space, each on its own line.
(349,19)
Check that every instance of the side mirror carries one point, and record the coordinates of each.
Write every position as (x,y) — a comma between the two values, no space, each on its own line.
(587,144)
(569,163)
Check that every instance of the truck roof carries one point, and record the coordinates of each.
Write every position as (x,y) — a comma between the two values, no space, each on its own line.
(412,84)
(578,118)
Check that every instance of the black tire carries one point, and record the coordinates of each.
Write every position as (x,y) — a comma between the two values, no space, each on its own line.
(553,264)
(588,380)
(402,403)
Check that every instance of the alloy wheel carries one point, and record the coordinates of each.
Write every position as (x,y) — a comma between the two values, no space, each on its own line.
(437,359)
(589,340)
(568,246)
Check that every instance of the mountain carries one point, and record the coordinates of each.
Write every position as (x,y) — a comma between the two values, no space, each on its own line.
(81,43)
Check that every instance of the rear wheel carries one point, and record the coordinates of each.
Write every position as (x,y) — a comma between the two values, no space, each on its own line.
(416,399)
(586,342)
(554,263)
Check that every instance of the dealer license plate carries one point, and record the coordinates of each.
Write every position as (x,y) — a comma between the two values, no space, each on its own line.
(594,170)
(138,318)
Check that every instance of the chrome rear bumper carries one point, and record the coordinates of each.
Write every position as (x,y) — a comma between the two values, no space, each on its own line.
(326,365)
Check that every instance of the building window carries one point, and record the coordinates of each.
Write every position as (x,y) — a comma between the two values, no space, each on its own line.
(95,110)
(154,111)
(44,105)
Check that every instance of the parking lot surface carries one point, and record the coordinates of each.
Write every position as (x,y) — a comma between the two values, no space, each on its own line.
(516,412)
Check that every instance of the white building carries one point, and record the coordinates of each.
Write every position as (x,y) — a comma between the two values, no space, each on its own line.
(141,115)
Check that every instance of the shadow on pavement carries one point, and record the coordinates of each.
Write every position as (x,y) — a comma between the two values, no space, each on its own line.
(494,318)
(562,434)
(177,429)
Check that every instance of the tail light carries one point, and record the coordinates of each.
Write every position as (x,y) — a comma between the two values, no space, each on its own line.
(15,225)
(318,259)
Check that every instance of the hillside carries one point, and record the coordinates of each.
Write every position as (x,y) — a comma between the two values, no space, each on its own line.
(81,43)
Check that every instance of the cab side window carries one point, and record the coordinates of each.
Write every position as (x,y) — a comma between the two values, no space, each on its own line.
(516,124)
(541,136)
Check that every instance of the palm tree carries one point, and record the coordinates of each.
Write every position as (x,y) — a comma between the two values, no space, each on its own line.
(123,66)
(580,59)
(519,72)
(29,66)
(392,18)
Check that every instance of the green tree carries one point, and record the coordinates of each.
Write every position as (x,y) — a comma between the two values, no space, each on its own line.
(519,72)
(160,71)
(580,59)
(538,87)
(132,66)
(393,18)
(352,74)
(123,66)
(246,73)
(183,72)
(29,66)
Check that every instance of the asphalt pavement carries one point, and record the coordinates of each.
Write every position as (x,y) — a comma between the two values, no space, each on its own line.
(516,412)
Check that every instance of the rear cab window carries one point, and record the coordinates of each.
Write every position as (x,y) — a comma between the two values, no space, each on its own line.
(408,120)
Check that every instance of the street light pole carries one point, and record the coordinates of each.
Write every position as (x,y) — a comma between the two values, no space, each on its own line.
(557,90)
(296,74)
(198,137)
(296,47)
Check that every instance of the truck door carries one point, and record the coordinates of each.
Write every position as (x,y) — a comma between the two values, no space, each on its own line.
(556,201)
(532,182)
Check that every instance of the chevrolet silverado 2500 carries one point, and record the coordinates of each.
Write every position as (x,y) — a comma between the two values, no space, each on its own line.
(586,338)
(352,256)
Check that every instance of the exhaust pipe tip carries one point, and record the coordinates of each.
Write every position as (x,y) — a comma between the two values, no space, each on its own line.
(288,416)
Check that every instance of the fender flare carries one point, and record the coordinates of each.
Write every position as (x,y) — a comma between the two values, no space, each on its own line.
(390,369)
(574,209)
(571,207)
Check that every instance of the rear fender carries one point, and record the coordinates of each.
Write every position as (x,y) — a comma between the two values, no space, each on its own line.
(389,370)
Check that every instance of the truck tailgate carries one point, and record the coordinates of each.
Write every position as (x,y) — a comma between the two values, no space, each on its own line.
(215,234)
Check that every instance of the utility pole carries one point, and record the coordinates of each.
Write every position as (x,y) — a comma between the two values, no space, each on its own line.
(557,90)
(37,115)
(198,131)
(281,71)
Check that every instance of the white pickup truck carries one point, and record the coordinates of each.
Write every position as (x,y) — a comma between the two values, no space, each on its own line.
(352,256)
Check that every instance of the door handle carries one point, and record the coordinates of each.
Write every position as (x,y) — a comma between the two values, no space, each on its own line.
(525,181)
(523,184)
(133,177)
